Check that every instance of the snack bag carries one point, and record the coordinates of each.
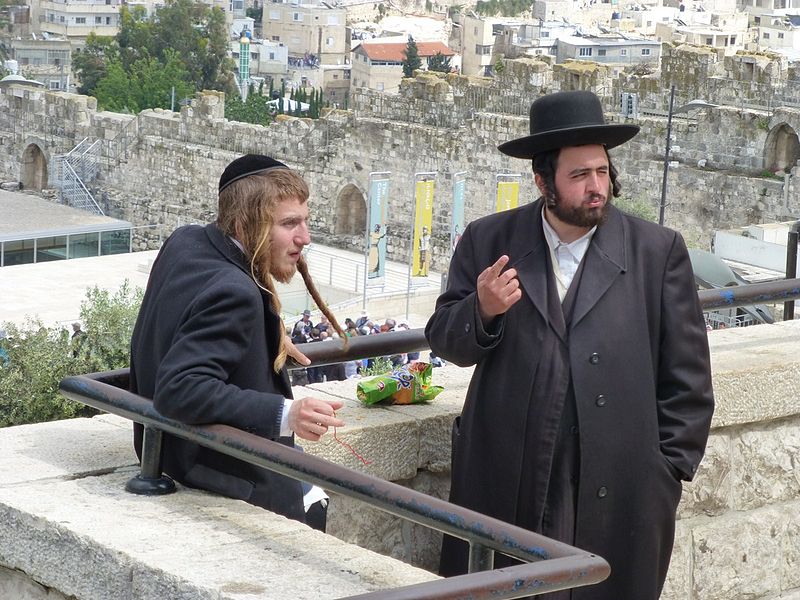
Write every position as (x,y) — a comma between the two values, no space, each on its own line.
(407,384)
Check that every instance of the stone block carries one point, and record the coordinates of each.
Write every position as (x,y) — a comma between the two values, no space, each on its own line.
(710,491)
(766,470)
(679,577)
(738,556)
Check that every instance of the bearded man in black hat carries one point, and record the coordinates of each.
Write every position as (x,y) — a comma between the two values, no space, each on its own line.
(209,345)
(591,398)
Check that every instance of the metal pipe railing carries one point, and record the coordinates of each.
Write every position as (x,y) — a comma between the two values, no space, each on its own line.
(556,566)
(413,340)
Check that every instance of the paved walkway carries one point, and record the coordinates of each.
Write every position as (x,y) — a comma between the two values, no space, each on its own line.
(54,291)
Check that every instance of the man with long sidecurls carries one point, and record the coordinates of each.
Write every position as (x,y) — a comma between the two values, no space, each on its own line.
(591,398)
(209,345)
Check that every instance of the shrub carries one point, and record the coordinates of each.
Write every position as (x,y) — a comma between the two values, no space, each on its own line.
(39,357)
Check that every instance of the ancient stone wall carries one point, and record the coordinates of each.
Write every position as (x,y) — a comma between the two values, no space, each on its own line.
(161,168)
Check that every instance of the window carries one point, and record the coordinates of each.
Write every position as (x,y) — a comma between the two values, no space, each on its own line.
(765,36)
(483,50)
(115,242)
(54,84)
(275,15)
(297,17)
(272,56)
(335,76)
(329,41)
(51,248)
(623,52)
(709,41)
(584,51)
(80,20)
(17,252)
(601,52)
(108,20)
(98,20)
(645,51)
(780,37)
(82,245)
(276,38)
(545,34)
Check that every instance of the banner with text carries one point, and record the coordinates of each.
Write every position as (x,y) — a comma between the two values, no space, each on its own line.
(376,227)
(423,220)
(457,225)
(507,192)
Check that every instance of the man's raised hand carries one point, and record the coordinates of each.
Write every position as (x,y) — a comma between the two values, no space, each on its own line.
(498,290)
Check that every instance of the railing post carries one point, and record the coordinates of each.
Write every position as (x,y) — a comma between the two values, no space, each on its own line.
(150,481)
(791,266)
(481,558)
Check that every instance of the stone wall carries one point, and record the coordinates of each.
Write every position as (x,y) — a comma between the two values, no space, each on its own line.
(161,168)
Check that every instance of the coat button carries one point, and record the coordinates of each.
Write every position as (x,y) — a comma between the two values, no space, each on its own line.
(594,358)
(467,327)
(600,400)
(602,492)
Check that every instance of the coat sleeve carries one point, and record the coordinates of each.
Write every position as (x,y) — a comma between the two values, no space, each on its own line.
(684,392)
(455,331)
(192,383)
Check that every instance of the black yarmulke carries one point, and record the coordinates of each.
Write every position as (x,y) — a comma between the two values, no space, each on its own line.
(246,165)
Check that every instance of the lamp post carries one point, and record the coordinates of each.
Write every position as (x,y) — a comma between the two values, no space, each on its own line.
(694,104)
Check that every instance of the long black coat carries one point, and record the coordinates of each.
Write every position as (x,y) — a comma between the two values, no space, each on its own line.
(202,349)
(639,363)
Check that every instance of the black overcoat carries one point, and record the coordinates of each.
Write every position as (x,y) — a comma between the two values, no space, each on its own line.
(202,349)
(639,361)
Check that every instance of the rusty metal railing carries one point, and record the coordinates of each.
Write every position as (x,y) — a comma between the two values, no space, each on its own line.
(555,566)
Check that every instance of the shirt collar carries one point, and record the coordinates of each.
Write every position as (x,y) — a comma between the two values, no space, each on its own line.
(577,248)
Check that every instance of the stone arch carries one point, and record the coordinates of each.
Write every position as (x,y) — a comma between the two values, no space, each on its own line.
(33,174)
(351,211)
(782,148)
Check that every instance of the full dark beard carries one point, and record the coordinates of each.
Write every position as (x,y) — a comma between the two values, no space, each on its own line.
(579,216)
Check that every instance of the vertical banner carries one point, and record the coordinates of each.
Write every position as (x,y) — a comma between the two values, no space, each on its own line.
(376,224)
(423,219)
(457,224)
(507,191)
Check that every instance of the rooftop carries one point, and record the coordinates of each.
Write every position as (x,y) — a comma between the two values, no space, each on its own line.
(395,51)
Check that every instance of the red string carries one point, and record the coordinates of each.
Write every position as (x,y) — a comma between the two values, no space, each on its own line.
(349,447)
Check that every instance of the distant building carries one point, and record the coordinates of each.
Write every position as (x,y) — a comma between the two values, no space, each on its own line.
(609,49)
(314,32)
(378,65)
(532,39)
(48,61)
(779,33)
(76,19)
(267,59)
(478,43)
(728,31)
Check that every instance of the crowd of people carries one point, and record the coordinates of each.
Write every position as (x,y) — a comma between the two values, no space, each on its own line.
(305,331)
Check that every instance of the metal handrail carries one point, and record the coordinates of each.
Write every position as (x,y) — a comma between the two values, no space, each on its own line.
(556,566)
(413,340)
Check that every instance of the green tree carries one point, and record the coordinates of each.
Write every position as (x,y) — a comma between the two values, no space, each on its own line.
(411,59)
(439,62)
(114,91)
(90,62)
(153,81)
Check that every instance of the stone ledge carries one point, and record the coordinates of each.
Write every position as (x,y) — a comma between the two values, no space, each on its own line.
(66,521)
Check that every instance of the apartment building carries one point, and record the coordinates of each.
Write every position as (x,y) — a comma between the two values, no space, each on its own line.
(48,61)
(76,19)
(619,50)
(312,31)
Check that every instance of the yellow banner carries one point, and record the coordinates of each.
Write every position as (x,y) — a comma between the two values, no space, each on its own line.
(507,195)
(422,228)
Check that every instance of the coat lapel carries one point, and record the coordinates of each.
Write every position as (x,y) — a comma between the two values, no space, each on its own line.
(605,260)
(528,246)
(534,270)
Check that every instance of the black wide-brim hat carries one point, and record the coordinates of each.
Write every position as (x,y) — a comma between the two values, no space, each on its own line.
(567,119)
